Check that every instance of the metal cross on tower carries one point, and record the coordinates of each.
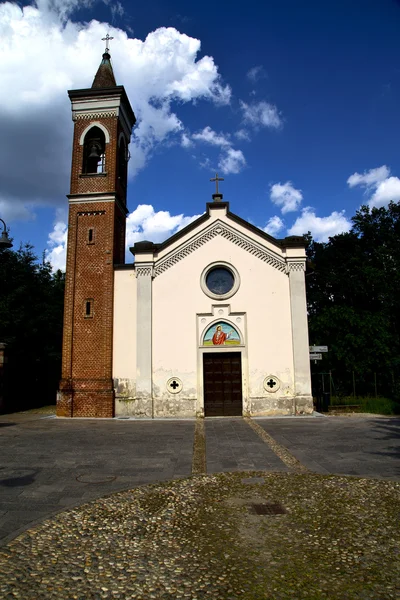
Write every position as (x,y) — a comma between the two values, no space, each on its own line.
(106,40)
(216,179)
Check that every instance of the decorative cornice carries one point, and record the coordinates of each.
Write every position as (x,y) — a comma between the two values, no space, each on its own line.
(233,236)
(77,116)
(296,266)
(101,197)
(114,94)
(91,213)
(145,271)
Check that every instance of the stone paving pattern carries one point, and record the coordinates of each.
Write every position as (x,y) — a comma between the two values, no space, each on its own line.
(366,446)
(41,458)
(194,537)
(232,445)
(335,538)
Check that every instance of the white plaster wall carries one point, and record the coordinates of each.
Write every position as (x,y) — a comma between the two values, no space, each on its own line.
(263,299)
(177,297)
(124,345)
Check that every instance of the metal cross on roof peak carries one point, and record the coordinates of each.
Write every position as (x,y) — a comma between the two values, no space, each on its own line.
(217,179)
(106,40)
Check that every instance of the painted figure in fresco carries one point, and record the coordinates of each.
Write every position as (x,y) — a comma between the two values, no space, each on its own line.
(219,336)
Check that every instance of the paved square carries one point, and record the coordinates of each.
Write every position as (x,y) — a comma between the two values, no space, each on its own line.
(41,460)
(231,445)
(48,465)
(364,446)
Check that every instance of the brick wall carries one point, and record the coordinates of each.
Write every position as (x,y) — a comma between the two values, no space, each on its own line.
(86,388)
(97,183)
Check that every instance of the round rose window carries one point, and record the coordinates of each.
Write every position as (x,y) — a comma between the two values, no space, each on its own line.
(220,280)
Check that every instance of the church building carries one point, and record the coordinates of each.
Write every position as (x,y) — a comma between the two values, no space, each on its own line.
(211,322)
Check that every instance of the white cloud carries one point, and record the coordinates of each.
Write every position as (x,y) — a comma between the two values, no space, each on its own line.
(12,211)
(387,191)
(144,223)
(116,8)
(261,114)
(44,53)
(186,142)
(57,242)
(232,162)
(206,163)
(209,136)
(369,178)
(379,186)
(321,227)
(242,134)
(274,225)
(256,73)
(286,196)
(62,9)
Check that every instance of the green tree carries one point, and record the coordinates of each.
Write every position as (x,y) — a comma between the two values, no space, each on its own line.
(31,308)
(354,296)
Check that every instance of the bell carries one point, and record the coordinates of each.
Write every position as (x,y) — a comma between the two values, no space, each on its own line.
(95,151)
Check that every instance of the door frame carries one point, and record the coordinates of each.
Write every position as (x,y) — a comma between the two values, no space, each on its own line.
(216,353)
(221,312)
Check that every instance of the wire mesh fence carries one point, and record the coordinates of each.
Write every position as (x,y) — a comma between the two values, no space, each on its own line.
(371,390)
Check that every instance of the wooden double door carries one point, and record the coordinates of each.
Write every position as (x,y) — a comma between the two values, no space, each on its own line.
(222,384)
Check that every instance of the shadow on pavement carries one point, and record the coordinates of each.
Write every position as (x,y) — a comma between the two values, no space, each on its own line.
(389,430)
(19,481)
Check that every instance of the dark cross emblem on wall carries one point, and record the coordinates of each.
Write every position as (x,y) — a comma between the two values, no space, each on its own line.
(174,385)
(271,383)
(217,179)
(106,40)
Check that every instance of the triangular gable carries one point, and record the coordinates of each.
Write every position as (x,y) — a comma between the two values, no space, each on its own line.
(229,226)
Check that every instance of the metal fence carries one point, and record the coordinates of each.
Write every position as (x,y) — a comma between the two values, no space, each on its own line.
(347,384)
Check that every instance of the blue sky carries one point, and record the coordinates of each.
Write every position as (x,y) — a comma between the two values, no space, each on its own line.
(295,103)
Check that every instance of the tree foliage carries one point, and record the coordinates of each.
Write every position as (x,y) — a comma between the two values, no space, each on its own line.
(31,308)
(353,292)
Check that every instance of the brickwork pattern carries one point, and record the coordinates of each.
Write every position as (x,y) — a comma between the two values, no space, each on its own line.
(98,182)
(111,180)
(121,180)
(86,387)
(119,239)
(87,341)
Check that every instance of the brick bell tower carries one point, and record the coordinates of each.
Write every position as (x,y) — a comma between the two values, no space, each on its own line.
(103,121)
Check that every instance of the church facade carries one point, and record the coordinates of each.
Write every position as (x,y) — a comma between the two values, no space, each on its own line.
(211,322)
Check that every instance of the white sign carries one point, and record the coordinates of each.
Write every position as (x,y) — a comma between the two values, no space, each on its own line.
(318,348)
(315,356)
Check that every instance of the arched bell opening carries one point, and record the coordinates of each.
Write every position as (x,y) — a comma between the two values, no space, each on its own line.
(94,152)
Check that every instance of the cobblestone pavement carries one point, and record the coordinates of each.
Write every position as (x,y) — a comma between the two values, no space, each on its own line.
(201,536)
(48,464)
(250,536)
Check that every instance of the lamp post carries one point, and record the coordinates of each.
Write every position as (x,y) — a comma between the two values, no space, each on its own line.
(5,241)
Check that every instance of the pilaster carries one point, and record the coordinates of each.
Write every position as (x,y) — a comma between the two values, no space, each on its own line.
(144,384)
(301,363)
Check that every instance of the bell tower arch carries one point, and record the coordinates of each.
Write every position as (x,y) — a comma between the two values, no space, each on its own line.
(103,121)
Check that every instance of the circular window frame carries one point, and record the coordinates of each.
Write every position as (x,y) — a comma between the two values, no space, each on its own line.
(224,265)
(178,387)
(274,389)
